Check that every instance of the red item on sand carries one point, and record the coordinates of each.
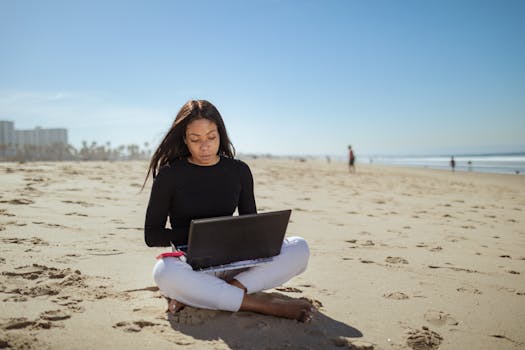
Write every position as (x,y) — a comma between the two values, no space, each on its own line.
(170,255)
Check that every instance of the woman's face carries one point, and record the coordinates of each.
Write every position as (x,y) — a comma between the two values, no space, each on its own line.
(202,139)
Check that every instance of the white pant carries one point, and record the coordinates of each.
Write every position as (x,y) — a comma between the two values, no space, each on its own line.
(177,280)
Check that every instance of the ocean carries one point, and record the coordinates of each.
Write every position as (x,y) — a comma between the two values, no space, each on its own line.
(509,163)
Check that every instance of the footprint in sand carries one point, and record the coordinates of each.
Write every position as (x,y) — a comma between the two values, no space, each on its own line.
(75,214)
(396,295)
(26,272)
(107,198)
(300,209)
(103,252)
(19,201)
(366,261)
(289,289)
(66,259)
(36,179)
(423,339)
(82,203)
(24,241)
(39,280)
(130,228)
(18,340)
(395,260)
(352,242)
(25,323)
(54,315)
(17,323)
(47,224)
(453,268)
(469,290)
(135,326)
(439,318)
(71,303)
(15,299)
(4,212)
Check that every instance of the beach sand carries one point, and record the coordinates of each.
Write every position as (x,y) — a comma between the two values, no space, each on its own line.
(401,258)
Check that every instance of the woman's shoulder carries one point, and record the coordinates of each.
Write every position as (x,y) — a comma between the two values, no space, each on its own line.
(170,169)
(239,167)
(234,162)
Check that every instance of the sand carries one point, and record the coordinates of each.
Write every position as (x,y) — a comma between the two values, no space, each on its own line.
(400,259)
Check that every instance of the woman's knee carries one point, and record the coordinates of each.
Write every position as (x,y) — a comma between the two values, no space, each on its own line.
(167,274)
(297,252)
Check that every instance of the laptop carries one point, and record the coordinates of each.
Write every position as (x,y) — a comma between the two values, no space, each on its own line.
(232,242)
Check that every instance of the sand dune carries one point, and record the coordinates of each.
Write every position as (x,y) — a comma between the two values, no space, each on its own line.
(400,259)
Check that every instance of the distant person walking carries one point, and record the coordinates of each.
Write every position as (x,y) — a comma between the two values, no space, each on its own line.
(351,160)
(452,163)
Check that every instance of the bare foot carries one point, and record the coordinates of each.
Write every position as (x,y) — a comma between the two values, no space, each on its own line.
(174,306)
(280,306)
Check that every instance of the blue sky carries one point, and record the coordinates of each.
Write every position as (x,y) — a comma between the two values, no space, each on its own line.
(289,77)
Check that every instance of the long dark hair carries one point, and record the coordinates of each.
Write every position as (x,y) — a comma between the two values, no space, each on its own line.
(172,147)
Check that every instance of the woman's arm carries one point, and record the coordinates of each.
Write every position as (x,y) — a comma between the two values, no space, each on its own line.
(155,232)
(247,198)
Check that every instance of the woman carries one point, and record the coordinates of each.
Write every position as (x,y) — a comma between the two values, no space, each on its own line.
(196,176)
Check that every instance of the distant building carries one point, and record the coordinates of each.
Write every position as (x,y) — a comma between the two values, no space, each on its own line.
(41,137)
(7,133)
(11,137)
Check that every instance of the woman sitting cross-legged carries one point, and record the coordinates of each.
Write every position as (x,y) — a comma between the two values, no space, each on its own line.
(195,175)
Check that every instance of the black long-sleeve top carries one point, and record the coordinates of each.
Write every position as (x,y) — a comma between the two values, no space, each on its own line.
(184,191)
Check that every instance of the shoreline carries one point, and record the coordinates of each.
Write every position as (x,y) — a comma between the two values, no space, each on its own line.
(410,162)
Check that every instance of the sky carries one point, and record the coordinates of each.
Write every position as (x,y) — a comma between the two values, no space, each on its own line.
(289,77)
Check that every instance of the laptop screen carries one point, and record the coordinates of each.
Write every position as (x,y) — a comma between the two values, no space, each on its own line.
(223,240)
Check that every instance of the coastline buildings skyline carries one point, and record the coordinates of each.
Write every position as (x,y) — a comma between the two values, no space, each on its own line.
(51,144)
(11,137)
